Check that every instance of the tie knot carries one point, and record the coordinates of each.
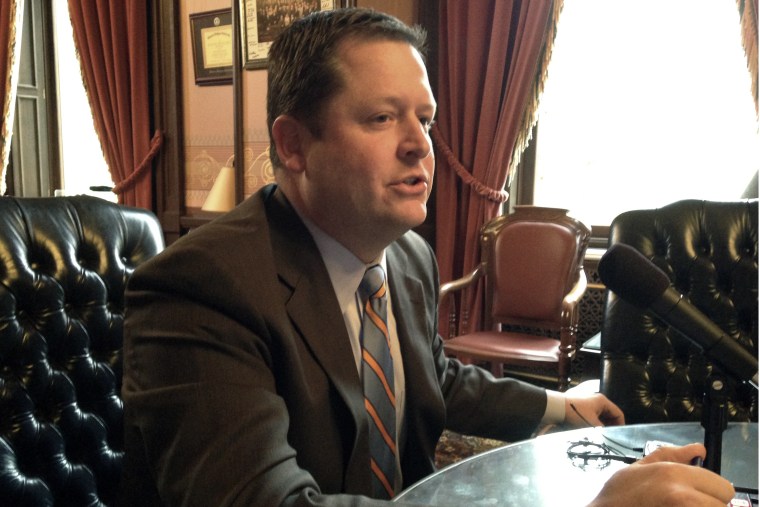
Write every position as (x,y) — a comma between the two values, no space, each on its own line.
(372,283)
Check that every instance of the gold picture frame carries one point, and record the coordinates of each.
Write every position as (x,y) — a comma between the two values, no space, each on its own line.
(212,43)
(262,20)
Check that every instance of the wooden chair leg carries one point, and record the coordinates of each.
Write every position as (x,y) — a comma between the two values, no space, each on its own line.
(563,376)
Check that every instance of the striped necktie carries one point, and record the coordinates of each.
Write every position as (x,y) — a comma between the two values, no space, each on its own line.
(377,374)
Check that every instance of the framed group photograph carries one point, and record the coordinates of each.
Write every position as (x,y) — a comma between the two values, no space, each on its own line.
(263,20)
(211,34)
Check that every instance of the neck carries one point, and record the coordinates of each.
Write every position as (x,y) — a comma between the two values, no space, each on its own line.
(366,249)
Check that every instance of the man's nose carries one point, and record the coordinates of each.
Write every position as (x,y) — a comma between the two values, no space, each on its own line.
(416,141)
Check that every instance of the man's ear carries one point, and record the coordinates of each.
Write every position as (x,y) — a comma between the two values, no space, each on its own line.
(289,137)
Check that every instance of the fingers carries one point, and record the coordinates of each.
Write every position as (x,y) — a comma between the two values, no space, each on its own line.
(665,483)
(675,461)
(713,485)
(593,410)
(700,485)
(677,454)
(611,414)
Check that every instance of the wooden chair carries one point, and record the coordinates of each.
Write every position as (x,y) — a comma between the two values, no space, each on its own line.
(532,269)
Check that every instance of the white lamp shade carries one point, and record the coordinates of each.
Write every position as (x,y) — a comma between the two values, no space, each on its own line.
(222,194)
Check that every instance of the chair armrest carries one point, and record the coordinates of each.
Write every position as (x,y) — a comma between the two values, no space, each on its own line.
(454,286)
(576,293)
(461,283)
(571,312)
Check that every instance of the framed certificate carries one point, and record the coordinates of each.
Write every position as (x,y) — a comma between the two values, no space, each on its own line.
(211,34)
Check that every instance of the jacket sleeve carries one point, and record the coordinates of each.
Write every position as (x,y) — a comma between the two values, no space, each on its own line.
(476,402)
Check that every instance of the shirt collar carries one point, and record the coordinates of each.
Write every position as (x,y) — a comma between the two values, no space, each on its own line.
(344,268)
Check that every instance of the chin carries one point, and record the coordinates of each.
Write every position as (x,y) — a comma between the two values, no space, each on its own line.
(401,220)
(415,220)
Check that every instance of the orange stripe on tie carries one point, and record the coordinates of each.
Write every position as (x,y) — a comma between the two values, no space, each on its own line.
(380,426)
(380,375)
(377,321)
(381,477)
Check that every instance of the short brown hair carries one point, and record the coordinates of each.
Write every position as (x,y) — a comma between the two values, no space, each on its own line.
(301,62)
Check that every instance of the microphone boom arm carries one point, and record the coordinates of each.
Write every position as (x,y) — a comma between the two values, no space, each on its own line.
(727,353)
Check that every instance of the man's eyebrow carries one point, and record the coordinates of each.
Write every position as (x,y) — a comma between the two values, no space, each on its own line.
(399,103)
(432,108)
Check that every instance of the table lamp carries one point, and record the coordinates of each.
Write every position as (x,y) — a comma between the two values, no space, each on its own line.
(222,194)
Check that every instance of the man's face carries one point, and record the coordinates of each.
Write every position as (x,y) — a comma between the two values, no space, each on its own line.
(369,174)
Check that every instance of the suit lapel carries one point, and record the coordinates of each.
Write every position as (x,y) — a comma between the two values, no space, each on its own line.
(409,311)
(408,303)
(425,412)
(313,307)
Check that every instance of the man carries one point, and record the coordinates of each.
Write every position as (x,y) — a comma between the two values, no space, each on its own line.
(245,351)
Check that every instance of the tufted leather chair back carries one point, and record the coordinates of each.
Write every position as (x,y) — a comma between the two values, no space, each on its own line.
(64,264)
(709,251)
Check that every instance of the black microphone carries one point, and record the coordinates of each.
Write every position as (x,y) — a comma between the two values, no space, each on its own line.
(637,280)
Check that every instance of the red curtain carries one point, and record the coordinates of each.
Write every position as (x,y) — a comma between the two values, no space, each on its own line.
(493,55)
(112,41)
(11,12)
(748,18)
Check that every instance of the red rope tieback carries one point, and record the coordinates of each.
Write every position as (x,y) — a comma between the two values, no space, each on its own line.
(480,188)
(128,182)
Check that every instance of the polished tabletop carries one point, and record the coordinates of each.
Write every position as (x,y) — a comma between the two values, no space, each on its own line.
(538,472)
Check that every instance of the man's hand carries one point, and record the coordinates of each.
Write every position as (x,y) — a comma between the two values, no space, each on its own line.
(665,478)
(592,410)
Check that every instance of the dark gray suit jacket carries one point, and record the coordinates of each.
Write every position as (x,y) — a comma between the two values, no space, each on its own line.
(240,387)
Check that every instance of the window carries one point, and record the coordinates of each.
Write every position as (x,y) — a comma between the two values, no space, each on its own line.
(645,103)
(82,159)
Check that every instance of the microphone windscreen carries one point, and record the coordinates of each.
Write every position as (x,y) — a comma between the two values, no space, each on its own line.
(633,277)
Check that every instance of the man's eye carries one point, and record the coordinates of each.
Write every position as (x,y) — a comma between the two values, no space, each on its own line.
(382,118)
(427,123)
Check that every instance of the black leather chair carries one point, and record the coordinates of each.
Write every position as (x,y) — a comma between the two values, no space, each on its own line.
(709,251)
(64,264)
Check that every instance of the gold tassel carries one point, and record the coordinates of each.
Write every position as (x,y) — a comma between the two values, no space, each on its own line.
(16,18)
(530,115)
(748,20)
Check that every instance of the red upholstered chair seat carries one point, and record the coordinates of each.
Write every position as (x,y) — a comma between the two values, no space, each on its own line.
(501,346)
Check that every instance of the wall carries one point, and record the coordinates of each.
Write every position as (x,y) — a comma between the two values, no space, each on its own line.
(207,114)
(208,111)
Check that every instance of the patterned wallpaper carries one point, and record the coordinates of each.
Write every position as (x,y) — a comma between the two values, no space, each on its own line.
(204,161)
